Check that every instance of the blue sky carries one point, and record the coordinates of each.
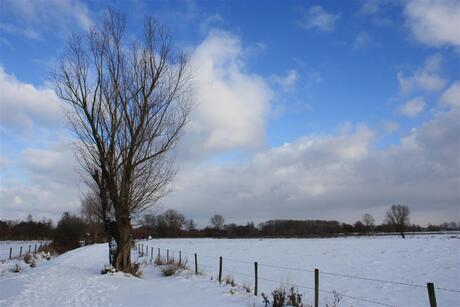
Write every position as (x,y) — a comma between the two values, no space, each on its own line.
(302,76)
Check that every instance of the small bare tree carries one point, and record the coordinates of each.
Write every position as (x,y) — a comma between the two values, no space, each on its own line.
(127,103)
(368,221)
(217,221)
(398,217)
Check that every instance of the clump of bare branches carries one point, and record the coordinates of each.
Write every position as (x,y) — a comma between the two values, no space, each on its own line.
(127,103)
(283,297)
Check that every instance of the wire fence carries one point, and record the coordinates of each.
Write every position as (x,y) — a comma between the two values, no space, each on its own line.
(13,250)
(249,278)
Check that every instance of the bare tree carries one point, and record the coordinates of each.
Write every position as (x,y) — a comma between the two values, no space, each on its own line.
(174,221)
(368,221)
(127,103)
(217,221)
(398,217)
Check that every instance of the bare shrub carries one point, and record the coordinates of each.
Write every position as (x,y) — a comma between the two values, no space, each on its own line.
(29,259)
(159,261)
(283,297)
(336,298)
(229,280)
(172,266)
(169,269)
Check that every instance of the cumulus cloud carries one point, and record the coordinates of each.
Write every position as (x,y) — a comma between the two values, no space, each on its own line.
(48,185)
(413,107)
(320,19)
(337,176)
(425,78)
(288,81)
(231,103)
(434,23)
(451,96)
(24,105)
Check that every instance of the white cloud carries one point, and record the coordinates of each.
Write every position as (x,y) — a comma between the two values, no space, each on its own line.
(55,14)
(333,176)
(413,107)
(24,105)
(231,103)
(318,18)
(451,96)
(48,184)
(424,79)
(288,81)
(434,23)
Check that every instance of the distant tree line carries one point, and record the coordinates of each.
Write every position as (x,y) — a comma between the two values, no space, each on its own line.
(26,230)
(173,224)
(71,229)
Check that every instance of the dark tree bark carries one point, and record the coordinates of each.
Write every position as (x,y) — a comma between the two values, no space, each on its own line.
(127,103)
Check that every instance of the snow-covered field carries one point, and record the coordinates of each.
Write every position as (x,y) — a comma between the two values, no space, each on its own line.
(414,260)
(74,279)
(16,248)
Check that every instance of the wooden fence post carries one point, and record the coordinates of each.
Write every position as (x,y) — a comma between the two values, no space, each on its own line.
(180,257)
(431,294)
(316,287)
(35,248)
(151,253)
(29,248)
(167,255)
(196,264)
(256,279)
(159,253)
(11,250)
(220,269)
(20,252)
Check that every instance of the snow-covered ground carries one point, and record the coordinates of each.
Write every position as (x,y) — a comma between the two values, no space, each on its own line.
(16,248)
(74,279)
(414,260)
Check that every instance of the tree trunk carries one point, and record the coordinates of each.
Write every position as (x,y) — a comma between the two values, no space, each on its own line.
(124,243)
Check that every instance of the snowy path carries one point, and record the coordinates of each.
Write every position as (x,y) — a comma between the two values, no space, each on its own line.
(74,279)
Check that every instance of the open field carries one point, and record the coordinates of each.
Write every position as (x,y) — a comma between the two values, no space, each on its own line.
(415,260)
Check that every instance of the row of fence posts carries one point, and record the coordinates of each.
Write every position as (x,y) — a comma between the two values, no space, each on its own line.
(20,250)
(430,286)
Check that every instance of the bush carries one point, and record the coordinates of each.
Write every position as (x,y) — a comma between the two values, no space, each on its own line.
(229,280)
(282,297)
(172,266)
(68,233)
